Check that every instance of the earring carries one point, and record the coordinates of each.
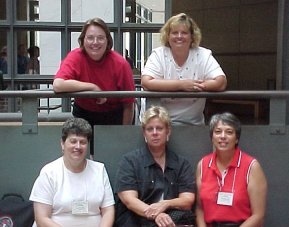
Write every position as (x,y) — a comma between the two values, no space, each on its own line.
(168,138)
(146,140)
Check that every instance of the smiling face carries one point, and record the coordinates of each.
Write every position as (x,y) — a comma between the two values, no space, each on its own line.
(224,137)
(74,149)
(156,133)
(180,37)
(95,42)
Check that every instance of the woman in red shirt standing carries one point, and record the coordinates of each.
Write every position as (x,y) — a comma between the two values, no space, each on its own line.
(232,187)
(95,67)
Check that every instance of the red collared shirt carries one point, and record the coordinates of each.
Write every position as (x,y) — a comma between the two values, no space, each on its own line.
(235,181)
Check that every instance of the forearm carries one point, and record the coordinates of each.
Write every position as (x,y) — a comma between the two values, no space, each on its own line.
(217,84)
(200,217)
(60,85)
(137,206)
(46,222)
(179,203)
(162,85)
(253,221)
(43,213)
(128,112)
(107,219)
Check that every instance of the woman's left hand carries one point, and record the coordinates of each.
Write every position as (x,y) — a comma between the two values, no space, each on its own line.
(164,220)
(155,209)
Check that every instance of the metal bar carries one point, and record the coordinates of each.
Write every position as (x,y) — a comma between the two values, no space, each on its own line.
(240,95)
(29,115)
(277,116)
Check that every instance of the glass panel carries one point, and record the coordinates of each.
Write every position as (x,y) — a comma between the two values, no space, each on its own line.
(45,45)
(44,10)
(82,10)
(38,52)
(50,10)
(3,52)
(144,11)
(28,47)
(139,46)
(50,49)
(50,58)
(2,9)
(74,40)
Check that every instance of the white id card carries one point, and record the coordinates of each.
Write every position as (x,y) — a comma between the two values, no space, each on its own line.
(225,198)
(79,207)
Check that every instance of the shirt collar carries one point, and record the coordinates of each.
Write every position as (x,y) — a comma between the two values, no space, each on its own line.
(234,163)
(148,160)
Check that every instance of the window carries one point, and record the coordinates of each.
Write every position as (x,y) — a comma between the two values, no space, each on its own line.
(53,26)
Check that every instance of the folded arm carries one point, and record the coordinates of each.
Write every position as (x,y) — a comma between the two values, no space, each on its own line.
(61,85)
(156,211)
(152,84)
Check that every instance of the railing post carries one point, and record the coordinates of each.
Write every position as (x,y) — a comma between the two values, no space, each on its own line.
(29,115)
(278,115)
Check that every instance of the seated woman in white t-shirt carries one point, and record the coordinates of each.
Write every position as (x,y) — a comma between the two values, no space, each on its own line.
(72,190)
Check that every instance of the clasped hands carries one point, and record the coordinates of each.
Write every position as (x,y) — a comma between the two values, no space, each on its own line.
(193,85)
(156,212)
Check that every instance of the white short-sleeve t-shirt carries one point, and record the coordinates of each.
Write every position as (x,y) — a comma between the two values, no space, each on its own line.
(200,65)
(59,187)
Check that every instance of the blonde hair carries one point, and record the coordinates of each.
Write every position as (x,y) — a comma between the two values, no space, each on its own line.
(181,18)
(158,112)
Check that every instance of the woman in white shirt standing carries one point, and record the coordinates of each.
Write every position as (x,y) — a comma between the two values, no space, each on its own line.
(72,190)
(180,64)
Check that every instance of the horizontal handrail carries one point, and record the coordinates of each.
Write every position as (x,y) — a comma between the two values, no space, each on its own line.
(30,116)
(42,79)
(42,117)
(263,94)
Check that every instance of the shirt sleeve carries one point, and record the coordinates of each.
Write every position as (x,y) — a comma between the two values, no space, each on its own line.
(108,199)
(69,67)
(125,176)
(42,190)
(212,68)
(186,178)
(154,66)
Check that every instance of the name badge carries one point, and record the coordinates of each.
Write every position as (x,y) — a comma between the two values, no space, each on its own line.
(79,207)
(225,198)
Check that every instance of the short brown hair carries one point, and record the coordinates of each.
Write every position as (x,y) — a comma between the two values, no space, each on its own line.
(96,22)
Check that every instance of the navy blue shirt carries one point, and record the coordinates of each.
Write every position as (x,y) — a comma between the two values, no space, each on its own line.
(138,171)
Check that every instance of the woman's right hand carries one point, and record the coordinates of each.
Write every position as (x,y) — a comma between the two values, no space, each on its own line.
(99,101)
(193,85)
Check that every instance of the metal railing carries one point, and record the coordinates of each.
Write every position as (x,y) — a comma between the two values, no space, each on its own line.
(30,116)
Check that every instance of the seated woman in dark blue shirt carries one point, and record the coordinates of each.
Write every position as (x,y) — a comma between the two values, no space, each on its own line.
(152,182)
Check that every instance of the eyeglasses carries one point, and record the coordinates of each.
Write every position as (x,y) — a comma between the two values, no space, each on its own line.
(92,39)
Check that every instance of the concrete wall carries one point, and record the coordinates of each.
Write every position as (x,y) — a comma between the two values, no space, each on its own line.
(22,156)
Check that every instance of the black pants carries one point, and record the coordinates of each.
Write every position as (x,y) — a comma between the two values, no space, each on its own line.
(98,118)
(225,224)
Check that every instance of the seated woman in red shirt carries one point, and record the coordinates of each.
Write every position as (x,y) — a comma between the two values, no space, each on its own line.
(231,184)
